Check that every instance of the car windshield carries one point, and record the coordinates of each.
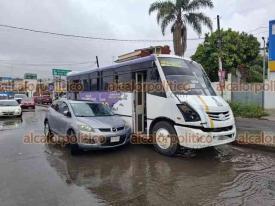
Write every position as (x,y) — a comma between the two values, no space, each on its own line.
(185,77)
(8,103)
(85,109)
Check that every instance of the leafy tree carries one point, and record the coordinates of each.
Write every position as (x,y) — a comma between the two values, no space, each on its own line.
(179,13)
(239,51)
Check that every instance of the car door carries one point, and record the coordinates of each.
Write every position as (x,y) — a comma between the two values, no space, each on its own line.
(53,113)
(63,122)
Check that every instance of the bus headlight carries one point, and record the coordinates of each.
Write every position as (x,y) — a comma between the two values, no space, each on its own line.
(85,127)
(189,114)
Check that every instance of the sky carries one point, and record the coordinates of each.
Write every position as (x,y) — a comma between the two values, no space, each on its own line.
(25,52)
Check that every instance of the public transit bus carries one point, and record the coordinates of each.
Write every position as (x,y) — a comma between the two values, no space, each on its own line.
(165,99)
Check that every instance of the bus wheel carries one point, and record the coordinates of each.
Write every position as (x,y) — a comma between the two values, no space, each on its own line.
(165,138)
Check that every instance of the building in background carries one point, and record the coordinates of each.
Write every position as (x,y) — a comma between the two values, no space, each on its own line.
(6,84)
(30,82)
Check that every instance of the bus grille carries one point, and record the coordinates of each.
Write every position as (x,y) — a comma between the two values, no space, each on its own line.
(219,116)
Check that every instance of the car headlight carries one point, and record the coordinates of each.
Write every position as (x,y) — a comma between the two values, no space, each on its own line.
(85,127)
(189,114)
(126,125)
(17,110)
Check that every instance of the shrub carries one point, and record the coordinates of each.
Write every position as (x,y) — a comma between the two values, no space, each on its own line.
(247,110)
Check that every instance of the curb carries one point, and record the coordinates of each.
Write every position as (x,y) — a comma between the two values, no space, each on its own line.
(255,146)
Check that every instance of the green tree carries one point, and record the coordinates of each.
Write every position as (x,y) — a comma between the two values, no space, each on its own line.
(179,13)
(239,51)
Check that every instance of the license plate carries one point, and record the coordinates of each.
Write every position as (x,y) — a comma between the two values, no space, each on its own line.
(115,139)
(29,107)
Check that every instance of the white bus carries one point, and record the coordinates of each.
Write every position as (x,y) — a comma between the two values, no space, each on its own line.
(167,99)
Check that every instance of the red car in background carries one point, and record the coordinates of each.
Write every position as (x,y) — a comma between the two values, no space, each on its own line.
(27,103)
(45,99)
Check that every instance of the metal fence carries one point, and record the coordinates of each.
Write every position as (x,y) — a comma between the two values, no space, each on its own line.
(248,97)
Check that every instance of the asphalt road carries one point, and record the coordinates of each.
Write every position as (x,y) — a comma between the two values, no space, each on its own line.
(39,174)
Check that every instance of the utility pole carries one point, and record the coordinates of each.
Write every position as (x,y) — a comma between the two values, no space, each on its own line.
(220,54)
(264,58)
(97,63)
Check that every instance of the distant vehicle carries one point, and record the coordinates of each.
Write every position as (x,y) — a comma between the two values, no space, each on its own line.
(28,104)
(20,97)
(6,95)
(87,125)
(9,108)
(45,99)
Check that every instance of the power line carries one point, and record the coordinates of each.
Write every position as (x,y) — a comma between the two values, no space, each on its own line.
(10,63)
(89,37)
(45,63)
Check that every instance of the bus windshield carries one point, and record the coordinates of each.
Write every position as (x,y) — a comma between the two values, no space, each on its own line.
(185,77)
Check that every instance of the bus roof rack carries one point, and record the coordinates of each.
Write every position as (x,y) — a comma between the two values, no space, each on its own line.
(138,53)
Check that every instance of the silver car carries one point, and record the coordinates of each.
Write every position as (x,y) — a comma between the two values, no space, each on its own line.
(85,125)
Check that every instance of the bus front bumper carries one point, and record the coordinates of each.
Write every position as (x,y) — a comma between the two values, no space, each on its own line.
(198,139)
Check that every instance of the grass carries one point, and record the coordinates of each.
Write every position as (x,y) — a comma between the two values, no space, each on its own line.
(247,110)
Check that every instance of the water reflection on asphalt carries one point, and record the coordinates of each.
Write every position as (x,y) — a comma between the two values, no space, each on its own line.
(137,175)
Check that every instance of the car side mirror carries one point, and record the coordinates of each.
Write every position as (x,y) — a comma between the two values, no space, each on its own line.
(67,113)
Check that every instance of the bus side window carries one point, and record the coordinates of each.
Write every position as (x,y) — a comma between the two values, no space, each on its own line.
(86,85)
(107,81)
(154,84)
(94,84)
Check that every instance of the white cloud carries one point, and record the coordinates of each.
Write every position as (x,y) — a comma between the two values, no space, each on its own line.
(104,18)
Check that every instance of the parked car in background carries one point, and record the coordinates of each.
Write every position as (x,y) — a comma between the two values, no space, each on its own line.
(44,99)
(86,125)
(20,97)
(27,103)
(10,108)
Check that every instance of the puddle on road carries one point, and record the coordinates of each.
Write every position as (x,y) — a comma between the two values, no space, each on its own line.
(137,175)
(255,137)
(11,123)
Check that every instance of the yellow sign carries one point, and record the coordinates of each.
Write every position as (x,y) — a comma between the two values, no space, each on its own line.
(170,62)
(271,66)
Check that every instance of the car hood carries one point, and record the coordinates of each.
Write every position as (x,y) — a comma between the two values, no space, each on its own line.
(9,108)
(103,122)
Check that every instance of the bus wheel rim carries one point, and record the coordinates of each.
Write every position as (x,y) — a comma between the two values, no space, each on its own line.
(163,138)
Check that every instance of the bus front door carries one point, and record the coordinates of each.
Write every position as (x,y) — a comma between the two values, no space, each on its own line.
(140,103)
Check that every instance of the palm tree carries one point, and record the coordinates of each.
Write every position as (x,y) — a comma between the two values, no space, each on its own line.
(179,13)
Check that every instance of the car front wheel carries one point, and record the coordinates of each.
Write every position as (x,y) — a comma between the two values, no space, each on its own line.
(47,131)
(75,150)
(165,138)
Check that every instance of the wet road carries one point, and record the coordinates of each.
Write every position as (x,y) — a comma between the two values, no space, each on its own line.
(39,174)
